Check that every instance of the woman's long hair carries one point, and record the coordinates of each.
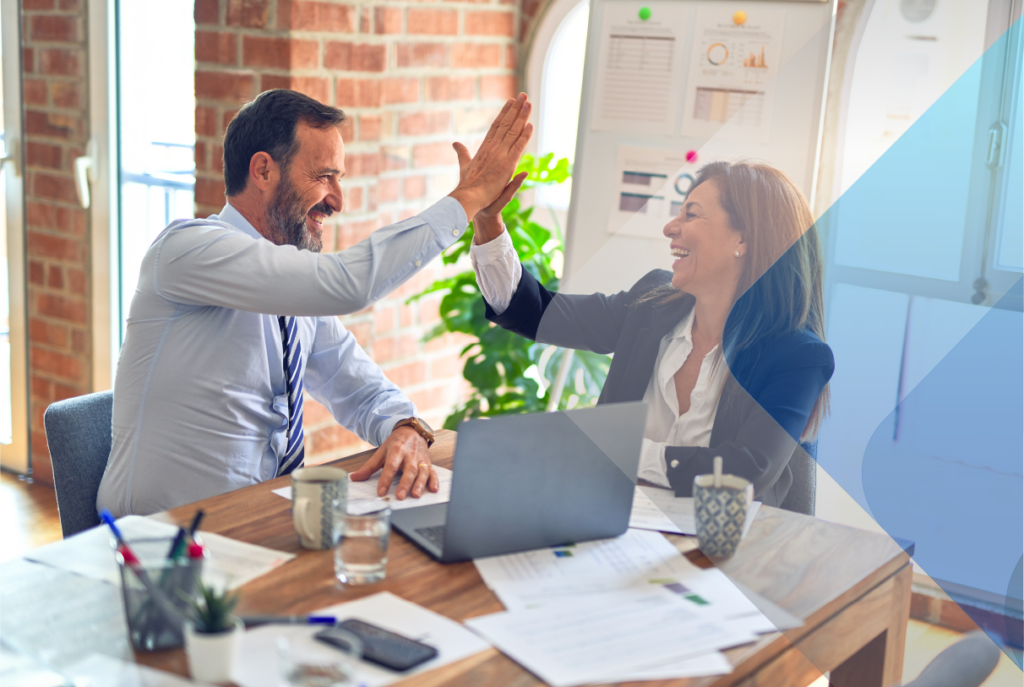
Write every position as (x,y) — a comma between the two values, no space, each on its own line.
(780,289)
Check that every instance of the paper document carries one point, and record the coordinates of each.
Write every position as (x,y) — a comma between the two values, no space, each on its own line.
(639,68)
(112,672)
(730,92)
(649,189)
(586,643)
(91,553)
(532,579)
(362,496)
(660,509)
(259,662)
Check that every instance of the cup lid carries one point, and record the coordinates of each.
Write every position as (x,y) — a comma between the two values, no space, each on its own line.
(728,482)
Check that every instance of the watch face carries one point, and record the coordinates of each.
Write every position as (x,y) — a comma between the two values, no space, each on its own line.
(424,425)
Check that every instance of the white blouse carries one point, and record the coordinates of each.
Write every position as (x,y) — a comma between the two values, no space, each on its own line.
(498,272)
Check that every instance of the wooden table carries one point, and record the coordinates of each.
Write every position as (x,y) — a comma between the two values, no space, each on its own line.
(850,587)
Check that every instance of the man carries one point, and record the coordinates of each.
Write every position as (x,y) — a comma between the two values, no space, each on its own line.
(235,315)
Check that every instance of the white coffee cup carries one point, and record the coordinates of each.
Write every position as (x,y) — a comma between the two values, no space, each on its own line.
(316,493)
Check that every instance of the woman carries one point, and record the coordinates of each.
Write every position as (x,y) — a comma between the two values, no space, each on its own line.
(726,348)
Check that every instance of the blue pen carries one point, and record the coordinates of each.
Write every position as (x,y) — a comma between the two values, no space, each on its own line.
(257,620)
(106,517)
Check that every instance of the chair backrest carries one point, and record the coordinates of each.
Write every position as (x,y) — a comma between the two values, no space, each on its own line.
(78,435)
(802,494)
(968,663)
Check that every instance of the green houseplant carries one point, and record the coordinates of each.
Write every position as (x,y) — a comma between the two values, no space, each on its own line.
(213,637)
(508,373)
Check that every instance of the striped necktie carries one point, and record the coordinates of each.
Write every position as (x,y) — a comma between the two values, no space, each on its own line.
(295,453)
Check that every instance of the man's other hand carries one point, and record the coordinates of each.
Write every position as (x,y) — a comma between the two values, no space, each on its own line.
(485,176)
(404,450)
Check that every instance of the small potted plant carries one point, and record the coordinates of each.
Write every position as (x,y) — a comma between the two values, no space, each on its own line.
(213,638)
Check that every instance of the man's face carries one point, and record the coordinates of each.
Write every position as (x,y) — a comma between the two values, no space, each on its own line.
(309,190)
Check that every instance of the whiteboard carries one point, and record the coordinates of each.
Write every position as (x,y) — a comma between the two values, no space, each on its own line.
(689,77)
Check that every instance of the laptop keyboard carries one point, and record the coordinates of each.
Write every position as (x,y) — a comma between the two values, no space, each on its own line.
(434,535)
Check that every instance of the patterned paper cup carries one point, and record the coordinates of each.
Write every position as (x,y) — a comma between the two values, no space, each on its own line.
(721,513)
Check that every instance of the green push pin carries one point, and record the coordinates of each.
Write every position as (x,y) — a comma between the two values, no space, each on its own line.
(645,13)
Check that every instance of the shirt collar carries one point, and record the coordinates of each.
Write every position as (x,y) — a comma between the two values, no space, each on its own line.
(233,217)
(684,329)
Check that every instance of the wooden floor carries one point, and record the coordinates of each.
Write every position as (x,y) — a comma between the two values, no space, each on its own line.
(28,513)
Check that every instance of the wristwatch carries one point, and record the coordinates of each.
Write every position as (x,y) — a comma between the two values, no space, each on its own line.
(420,426)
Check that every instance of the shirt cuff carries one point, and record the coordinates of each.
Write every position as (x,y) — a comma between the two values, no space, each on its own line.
(494,250)
(652,463)
(448,220)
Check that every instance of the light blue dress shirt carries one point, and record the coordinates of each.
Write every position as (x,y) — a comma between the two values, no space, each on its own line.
(200,404)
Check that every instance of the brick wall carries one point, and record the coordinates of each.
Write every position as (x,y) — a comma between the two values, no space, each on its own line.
(413,77)
(57,246)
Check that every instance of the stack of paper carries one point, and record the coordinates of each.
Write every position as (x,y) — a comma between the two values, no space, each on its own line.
(629,608)
(362,496)
(259,664)
(231,563)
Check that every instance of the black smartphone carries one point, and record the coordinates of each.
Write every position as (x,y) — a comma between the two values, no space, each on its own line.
(380,646)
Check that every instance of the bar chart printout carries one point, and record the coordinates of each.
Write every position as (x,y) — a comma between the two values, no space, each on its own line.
(638,84)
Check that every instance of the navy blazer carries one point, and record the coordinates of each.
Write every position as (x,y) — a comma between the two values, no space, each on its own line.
(766,401)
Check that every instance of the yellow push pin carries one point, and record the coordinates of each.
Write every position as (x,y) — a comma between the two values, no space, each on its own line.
(740,17)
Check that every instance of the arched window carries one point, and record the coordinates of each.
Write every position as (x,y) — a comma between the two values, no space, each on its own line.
(555,79)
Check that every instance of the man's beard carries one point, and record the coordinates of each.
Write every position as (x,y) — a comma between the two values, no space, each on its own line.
(287,220)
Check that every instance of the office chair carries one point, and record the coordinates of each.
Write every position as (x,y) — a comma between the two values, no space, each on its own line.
(78,435)
(802,493)
(968,663)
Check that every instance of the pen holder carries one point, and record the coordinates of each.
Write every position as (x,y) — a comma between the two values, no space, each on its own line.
(156,594)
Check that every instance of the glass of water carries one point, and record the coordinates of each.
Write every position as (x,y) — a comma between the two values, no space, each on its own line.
(361,548)
(302,665)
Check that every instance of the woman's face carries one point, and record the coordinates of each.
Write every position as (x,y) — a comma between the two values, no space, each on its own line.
(704,245)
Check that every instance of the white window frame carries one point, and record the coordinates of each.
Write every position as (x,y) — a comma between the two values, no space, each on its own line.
(15,456)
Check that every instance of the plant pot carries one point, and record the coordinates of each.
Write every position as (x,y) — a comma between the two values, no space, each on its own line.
(213,656)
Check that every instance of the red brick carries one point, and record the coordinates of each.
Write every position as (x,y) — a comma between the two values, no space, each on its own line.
(475,55)
(280,53)
(42,389)
(54,187)
(206,11)
(53,247)
(398,347)
(355,57)
(210,192)
(224,86)
(384,318)
(66,94)
(318,88)
(316,16)
(400,91)
(226,118)
(414,188)
(406,315)
(387,190)
(387,20)
(363,331)
(332,438)
(34,92)
(33,5)
(348,129)
(63,391)
(206,121)
(430,310)
(421,55)
(395,157)
(28,60)
(351,233)
(365,20)
(248,13)
(214,46)
(490,24)
(60,62)
(36,272)
(407,374)
(55,280)
(358,93)
(510,57)
(434,397)
(57,364)
(442,88)
(61,308)
(369,127)
(55,28)
(42,332)
(315,414)
(201,158)
(446,367)
(76,280)
(433,155)
(217,159)
(432,22)
(353,199)
(362,165)
(498,86)
(421,123)
(42,155)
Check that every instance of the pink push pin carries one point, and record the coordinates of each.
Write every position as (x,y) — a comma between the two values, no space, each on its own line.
(691,156)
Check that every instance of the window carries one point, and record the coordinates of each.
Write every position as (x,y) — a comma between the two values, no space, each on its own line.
(555,72)
(14,453)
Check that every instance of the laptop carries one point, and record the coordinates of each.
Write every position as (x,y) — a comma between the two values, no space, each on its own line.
(524,482)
